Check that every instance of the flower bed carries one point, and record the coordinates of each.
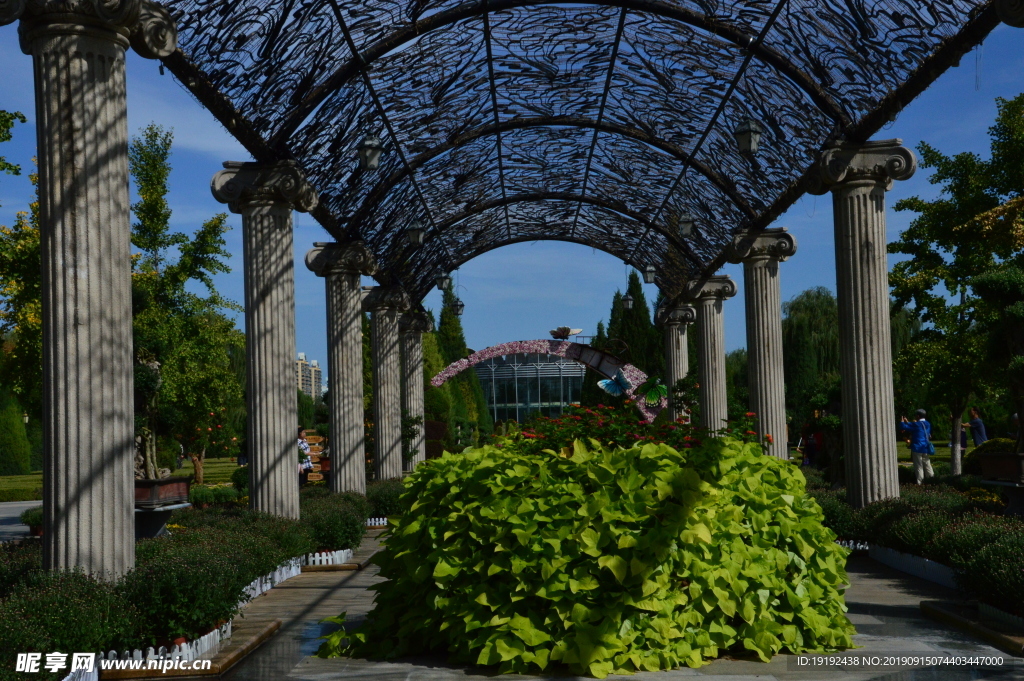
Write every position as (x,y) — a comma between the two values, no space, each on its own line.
(952,521)
(184,585)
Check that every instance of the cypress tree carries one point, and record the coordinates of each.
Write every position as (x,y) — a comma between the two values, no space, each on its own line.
(470,417)
(14,447)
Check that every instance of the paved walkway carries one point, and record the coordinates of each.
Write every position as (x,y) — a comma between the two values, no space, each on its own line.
(10,524)
(883,605)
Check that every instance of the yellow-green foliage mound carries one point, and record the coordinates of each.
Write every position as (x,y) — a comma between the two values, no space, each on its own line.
(606,561)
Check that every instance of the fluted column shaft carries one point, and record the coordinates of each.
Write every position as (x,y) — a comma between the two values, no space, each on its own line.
(387,306)
(858,177)
(341,266)
(88,426)
(709,299)
(265,196)
(677,358)
(412,391)
(761,254)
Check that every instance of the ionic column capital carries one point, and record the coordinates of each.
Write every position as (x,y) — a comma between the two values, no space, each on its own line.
(1011,12)
(382,298)
(674,316)
(718,287)
(415,321)
(352,257)
(876,163)
(147,26)
(241,184)
(768,244)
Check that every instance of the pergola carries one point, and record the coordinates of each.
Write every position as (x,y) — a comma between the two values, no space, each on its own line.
(668,133)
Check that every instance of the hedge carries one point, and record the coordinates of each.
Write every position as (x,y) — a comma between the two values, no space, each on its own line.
(385,498)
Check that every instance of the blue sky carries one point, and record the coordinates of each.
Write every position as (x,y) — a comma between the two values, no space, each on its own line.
(520,291)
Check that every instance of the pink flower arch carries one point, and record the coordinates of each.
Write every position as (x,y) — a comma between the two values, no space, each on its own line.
(601,362)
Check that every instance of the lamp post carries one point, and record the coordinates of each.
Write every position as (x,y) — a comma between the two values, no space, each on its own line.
(649,274)
(458,307)
(627,302)
(415,233)
(444,281)
(370,149)
(748,136)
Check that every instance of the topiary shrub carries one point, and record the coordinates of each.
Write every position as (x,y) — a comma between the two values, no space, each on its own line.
(996,575)
(33,517)
(958,544)
(997,445)
(200,495)
(605,560)
(385,497)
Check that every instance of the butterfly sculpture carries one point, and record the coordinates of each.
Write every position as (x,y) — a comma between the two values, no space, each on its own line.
(563,332)
(653,391)
(616,386)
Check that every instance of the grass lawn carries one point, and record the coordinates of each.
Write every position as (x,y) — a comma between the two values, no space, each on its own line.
(29,487)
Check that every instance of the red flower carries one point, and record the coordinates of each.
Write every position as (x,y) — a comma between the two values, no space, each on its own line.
(751,414)
(750,432)
(768,436)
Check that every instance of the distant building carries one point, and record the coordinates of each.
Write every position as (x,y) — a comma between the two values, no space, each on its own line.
(308,376)
(520,386)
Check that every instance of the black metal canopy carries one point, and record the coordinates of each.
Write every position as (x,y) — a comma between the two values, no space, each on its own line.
(600,123)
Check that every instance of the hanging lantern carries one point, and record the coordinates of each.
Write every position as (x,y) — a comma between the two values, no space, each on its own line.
(458,307)
(627,302)
(686,225)
(649,274)
(444,281)
(370,149)
(415,233)
(748,136)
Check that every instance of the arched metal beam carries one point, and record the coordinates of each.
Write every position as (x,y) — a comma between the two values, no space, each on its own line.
(383,188)
(536,197)
(357,63)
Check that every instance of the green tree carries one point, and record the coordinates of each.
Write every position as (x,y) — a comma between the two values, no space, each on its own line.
(1002,292)
(810,351)
(306,410)
(186,347)
(591,395)
(470,419)
(7,121)
(947,247)
(14,445)
(737,386)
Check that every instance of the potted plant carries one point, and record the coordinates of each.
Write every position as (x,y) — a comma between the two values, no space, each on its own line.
(33,517)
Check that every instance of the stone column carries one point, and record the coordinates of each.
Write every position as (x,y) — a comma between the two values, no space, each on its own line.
(78,57)
(387,305)
(709,297)
(858,177)
(341,266)
(674,323)
(265,195)
(761,254)
(412,327)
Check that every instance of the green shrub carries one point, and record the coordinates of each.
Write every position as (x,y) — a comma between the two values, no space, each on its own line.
(334,523)
(199,495)
(17,563)
(605,560)
(240,479)
(958,545)
(223,495)
(996,575)
(15,451)
(838,515)
(385,497)
(32,517)
(67,612)
(914,533)
(870,521)
(21,494)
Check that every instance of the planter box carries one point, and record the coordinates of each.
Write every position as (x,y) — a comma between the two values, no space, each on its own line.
(1003,466)
(914,565)
(163,492)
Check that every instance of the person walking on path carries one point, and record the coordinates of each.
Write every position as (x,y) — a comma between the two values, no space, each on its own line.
(977,426)
(920,432)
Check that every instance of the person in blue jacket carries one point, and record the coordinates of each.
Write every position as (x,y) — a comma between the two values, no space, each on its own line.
(920,433)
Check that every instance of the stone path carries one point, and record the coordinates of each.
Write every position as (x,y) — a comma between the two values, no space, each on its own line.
(883,604)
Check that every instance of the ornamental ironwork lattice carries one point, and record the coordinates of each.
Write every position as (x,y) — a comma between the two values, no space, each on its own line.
(599,123)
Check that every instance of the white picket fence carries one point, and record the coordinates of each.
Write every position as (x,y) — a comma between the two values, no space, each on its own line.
(375,522)
(329,557)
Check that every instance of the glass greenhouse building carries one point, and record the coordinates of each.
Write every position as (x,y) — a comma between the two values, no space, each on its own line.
(524,385)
